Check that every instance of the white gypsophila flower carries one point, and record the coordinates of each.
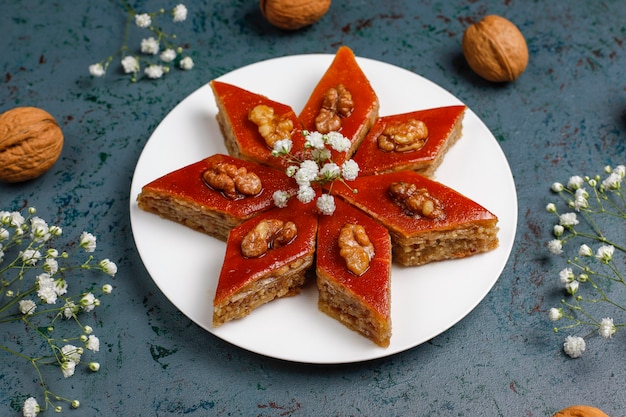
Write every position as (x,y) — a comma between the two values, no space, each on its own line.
(555,246)
(580,199)
(572,287)
(70,309)
(607,328)
(304,177)
(68,368)
(350,170)
(16,219)
(306,194)
(282,147)
(338,142)
(51,266)
(46,288)
(326,204)
(585,250)
(108,267)
(583,278)
(315,140)
(52,253)
(558,230)
(71,352)
(168,55)
(94,366)
(4,234)
(575,182)
(30,256)
(88,329)
(280,198)
(88,302)
(605,253)
(55,231)
(27,307)
(96,70)
(130,64)
(330,171)
(566,276)
(180,13)
(93,343)
(309,169)
(568,219)
(321,155)
(186,63)
(39,230)
(557,187)
(143,20)
(31,407)
(555,314)
(574,346)
(150,46)
(291,171)
(154,71)
(551,208)
(107,289)
(60,286)
(87,242)
(613,181)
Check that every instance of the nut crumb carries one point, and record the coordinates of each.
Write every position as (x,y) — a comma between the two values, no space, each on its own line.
(272,127)
(416,201)
(267,234)
(232,181)
(337,103)
(404,137)
(355,247)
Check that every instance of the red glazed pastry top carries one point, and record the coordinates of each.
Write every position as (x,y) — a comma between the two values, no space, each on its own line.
(189,183)
(372,287)
(439,122)
(236,103)
(374,197)
(239,270)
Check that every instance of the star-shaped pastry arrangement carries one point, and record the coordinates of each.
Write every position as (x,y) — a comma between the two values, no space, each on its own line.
(393,212)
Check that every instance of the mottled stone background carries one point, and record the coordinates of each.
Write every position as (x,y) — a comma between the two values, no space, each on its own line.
(565,115)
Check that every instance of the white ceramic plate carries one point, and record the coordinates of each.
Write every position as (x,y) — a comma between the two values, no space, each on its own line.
(426,300)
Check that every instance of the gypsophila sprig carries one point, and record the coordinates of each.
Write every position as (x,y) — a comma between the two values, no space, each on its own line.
(315,167)
(590,224)
(35,280)
(157,51)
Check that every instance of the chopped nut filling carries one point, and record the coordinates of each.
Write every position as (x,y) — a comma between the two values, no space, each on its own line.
(337,104)
(272,127)
(267,234)
(232,181)
(404,137)
(356,248)
(416,201)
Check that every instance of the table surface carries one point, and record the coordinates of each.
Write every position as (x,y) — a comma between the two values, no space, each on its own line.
(566,115)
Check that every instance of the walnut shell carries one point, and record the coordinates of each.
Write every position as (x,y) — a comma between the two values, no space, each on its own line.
(293,14)
(30,143)
(495,49)
(580,411)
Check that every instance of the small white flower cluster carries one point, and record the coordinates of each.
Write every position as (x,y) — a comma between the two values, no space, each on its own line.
(319,169)
(30,238)
(597,201)
(131,64)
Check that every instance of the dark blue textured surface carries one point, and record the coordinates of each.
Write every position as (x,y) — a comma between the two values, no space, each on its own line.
(565,115)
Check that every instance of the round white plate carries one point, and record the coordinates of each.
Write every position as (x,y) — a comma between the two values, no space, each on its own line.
(425,300)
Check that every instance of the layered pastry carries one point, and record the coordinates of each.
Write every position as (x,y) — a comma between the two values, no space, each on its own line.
(266,258)
(215,194)
(353,269)
(415,141)
(343,101)
(428,221)
(251,123)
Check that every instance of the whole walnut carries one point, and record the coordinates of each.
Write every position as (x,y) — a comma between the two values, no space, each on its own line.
(30,143)
(293,14)
(495,49)
(580,411)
